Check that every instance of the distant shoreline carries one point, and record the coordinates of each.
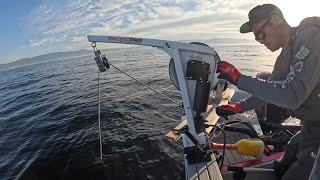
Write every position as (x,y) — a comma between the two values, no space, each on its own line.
(65,55)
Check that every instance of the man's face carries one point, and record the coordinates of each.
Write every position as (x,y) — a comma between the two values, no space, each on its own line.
(266,33)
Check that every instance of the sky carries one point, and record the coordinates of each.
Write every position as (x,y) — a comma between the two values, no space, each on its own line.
(33,27)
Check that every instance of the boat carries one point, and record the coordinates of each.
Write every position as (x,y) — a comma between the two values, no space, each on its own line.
(192,70)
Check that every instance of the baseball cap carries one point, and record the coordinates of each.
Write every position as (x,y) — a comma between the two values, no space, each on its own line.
(258,13)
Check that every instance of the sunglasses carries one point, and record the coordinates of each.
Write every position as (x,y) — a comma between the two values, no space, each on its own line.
(260,35)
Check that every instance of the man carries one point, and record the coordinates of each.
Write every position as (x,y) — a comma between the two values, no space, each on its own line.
(294,83)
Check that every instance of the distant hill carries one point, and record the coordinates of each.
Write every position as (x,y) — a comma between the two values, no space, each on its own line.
(44,58)
(64,55)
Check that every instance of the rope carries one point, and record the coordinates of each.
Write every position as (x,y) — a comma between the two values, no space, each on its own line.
(146,85)
(100,133)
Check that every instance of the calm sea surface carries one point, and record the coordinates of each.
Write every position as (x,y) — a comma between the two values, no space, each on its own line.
(48,116)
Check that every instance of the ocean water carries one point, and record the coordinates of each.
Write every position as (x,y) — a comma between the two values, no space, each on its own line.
(49,127)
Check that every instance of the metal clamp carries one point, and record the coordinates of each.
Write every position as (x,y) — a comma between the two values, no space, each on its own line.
(185,130)
(100,59)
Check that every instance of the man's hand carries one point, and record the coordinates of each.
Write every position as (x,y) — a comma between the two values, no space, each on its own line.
(228,109)
(228,72)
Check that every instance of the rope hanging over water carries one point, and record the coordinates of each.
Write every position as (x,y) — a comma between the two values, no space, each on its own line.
(99,121)
(104,65)
(163,95)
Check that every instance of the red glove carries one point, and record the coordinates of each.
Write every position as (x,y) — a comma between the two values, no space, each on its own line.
(228,109)
(228,72)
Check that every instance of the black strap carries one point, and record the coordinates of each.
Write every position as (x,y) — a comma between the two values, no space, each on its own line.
(185,130)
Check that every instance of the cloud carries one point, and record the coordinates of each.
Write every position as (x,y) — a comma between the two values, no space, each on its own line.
(63,25)
(38,43)
(54,22)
